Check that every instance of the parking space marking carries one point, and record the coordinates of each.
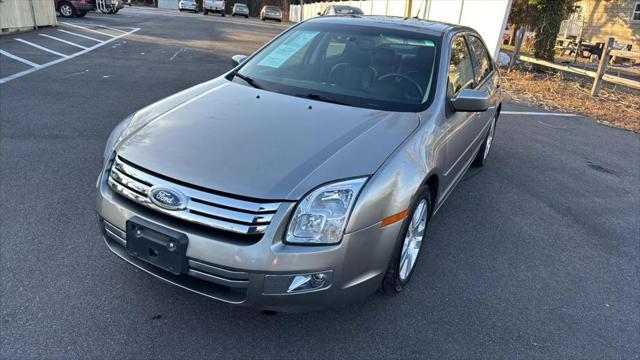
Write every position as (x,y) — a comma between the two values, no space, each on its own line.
(88,29)
(17,58)
(41,47)
(80,35)
(536,113)
(63,41)
(63,57)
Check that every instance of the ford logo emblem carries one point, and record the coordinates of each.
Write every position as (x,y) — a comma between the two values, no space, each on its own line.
(167,198)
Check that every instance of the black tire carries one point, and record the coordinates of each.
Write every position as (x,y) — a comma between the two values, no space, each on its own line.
(67,10)
(279,20)
(246,16)
(205,12)
(392,284)
(482,155)
(222,14)
(180,10)
(81,13)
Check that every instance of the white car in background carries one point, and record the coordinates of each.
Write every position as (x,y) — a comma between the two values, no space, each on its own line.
(189,5)
(213,6)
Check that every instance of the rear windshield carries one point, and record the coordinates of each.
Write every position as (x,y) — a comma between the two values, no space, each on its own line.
(272,8)
(361,66)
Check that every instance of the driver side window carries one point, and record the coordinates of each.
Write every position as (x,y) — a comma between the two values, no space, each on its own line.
(460,68)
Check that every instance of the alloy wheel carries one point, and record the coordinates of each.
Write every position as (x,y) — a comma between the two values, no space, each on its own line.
(413,240)
(66,10)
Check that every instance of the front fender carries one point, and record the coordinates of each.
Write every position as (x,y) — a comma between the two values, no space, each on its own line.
(394,186)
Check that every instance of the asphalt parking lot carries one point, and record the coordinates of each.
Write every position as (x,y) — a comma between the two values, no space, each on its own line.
(534,256)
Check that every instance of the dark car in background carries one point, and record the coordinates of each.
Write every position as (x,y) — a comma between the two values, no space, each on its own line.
(74,8)
(341,10)
(80,8)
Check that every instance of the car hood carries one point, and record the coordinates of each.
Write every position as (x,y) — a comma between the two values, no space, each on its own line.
(236,139)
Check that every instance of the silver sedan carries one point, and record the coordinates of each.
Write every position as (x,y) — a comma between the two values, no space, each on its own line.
(307,175)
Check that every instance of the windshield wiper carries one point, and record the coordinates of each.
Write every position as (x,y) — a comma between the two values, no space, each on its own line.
(323,98)
(248,80)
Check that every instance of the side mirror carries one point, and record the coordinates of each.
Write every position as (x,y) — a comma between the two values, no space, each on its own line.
(319,14)
(238,59)
(471,101)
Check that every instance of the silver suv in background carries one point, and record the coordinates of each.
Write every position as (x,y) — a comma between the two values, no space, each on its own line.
(213,6)
(271,12)
(240,9)
(307,175)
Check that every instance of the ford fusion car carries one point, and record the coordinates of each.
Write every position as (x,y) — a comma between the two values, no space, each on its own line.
(306,176)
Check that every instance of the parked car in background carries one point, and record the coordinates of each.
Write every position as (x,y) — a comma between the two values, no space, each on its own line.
(240,9)
(214,6)
(189,5)
(306,176)
(74,8)
(271,12)
(341,10)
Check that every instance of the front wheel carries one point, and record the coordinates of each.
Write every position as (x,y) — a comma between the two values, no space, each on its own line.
(483,153)
(67,10)
(406,254)
(81,13)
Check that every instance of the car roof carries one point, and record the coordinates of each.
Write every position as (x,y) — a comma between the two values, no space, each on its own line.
(394,22)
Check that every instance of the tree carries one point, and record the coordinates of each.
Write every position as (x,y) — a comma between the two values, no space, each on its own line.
(521,16)
(546,23)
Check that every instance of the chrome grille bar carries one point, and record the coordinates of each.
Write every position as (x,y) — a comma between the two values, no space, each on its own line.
(203,208)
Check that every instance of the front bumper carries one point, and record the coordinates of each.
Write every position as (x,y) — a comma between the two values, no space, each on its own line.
(242,274)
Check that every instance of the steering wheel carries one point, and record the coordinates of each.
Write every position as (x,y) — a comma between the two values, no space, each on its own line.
(401,77)
(338,66)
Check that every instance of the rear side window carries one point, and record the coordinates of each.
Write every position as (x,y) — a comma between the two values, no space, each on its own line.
(460,67)
(481,58)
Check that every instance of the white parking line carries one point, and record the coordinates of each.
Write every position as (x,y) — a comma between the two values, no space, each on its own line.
(536,113)
(63,41)
(80,35)
(17,58)
(36,67)
(87,29)
(41,48)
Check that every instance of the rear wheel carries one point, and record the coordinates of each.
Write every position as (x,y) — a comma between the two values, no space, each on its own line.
(81,13)
(246,16)
(66,10)
(408,249)
(483,153)
(205,11)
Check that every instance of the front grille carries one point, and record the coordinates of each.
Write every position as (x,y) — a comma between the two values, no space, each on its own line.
(207,208)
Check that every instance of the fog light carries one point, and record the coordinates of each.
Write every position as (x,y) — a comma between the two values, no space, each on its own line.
(291,284)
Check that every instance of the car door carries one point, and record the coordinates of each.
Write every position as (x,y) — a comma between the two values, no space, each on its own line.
(485,78)
(461,127)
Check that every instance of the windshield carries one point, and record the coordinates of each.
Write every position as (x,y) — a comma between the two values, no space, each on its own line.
(240,6)
(355,65)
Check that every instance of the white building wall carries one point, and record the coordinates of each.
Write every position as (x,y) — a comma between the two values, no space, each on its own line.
(488,17)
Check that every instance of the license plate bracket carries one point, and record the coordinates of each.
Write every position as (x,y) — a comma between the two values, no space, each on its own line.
(157,245)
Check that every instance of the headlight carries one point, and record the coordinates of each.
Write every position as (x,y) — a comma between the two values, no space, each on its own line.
(320,218)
